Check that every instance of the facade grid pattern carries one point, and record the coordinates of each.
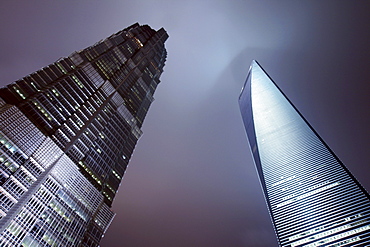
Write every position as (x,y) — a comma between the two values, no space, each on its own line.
(67,133)
(312,198)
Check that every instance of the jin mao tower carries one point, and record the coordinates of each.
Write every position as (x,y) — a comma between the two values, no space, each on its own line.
(312,198)
(67,133)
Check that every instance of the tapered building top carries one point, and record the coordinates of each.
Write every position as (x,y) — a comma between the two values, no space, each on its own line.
(312,198)
(80,120)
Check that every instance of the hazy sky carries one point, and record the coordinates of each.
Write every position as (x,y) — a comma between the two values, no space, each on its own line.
(191,181)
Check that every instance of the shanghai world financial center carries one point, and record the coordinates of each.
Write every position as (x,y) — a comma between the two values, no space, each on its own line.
(312,198)
(67,133)
(68,130)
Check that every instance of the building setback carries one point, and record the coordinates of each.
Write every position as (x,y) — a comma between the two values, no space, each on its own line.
(67,133)
(312,198)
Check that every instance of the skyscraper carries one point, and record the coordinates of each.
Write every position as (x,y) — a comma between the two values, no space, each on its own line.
(312,198)
(67,133)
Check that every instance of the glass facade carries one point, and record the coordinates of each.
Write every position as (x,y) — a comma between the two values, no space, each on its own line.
(67,133)
(312,198)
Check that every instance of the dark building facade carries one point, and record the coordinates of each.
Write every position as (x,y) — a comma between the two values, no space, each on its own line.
(67,133)
(312,198)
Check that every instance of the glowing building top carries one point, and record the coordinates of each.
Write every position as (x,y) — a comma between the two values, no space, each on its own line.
(312,198)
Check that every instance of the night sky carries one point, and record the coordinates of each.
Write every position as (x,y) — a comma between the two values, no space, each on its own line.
(191,181)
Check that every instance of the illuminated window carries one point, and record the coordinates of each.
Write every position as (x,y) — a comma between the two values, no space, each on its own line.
(19,92)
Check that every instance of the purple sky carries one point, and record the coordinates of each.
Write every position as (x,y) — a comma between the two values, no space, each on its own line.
(191,181)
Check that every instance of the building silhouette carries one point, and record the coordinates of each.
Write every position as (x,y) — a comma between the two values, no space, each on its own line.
(67,133)
(312,198)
